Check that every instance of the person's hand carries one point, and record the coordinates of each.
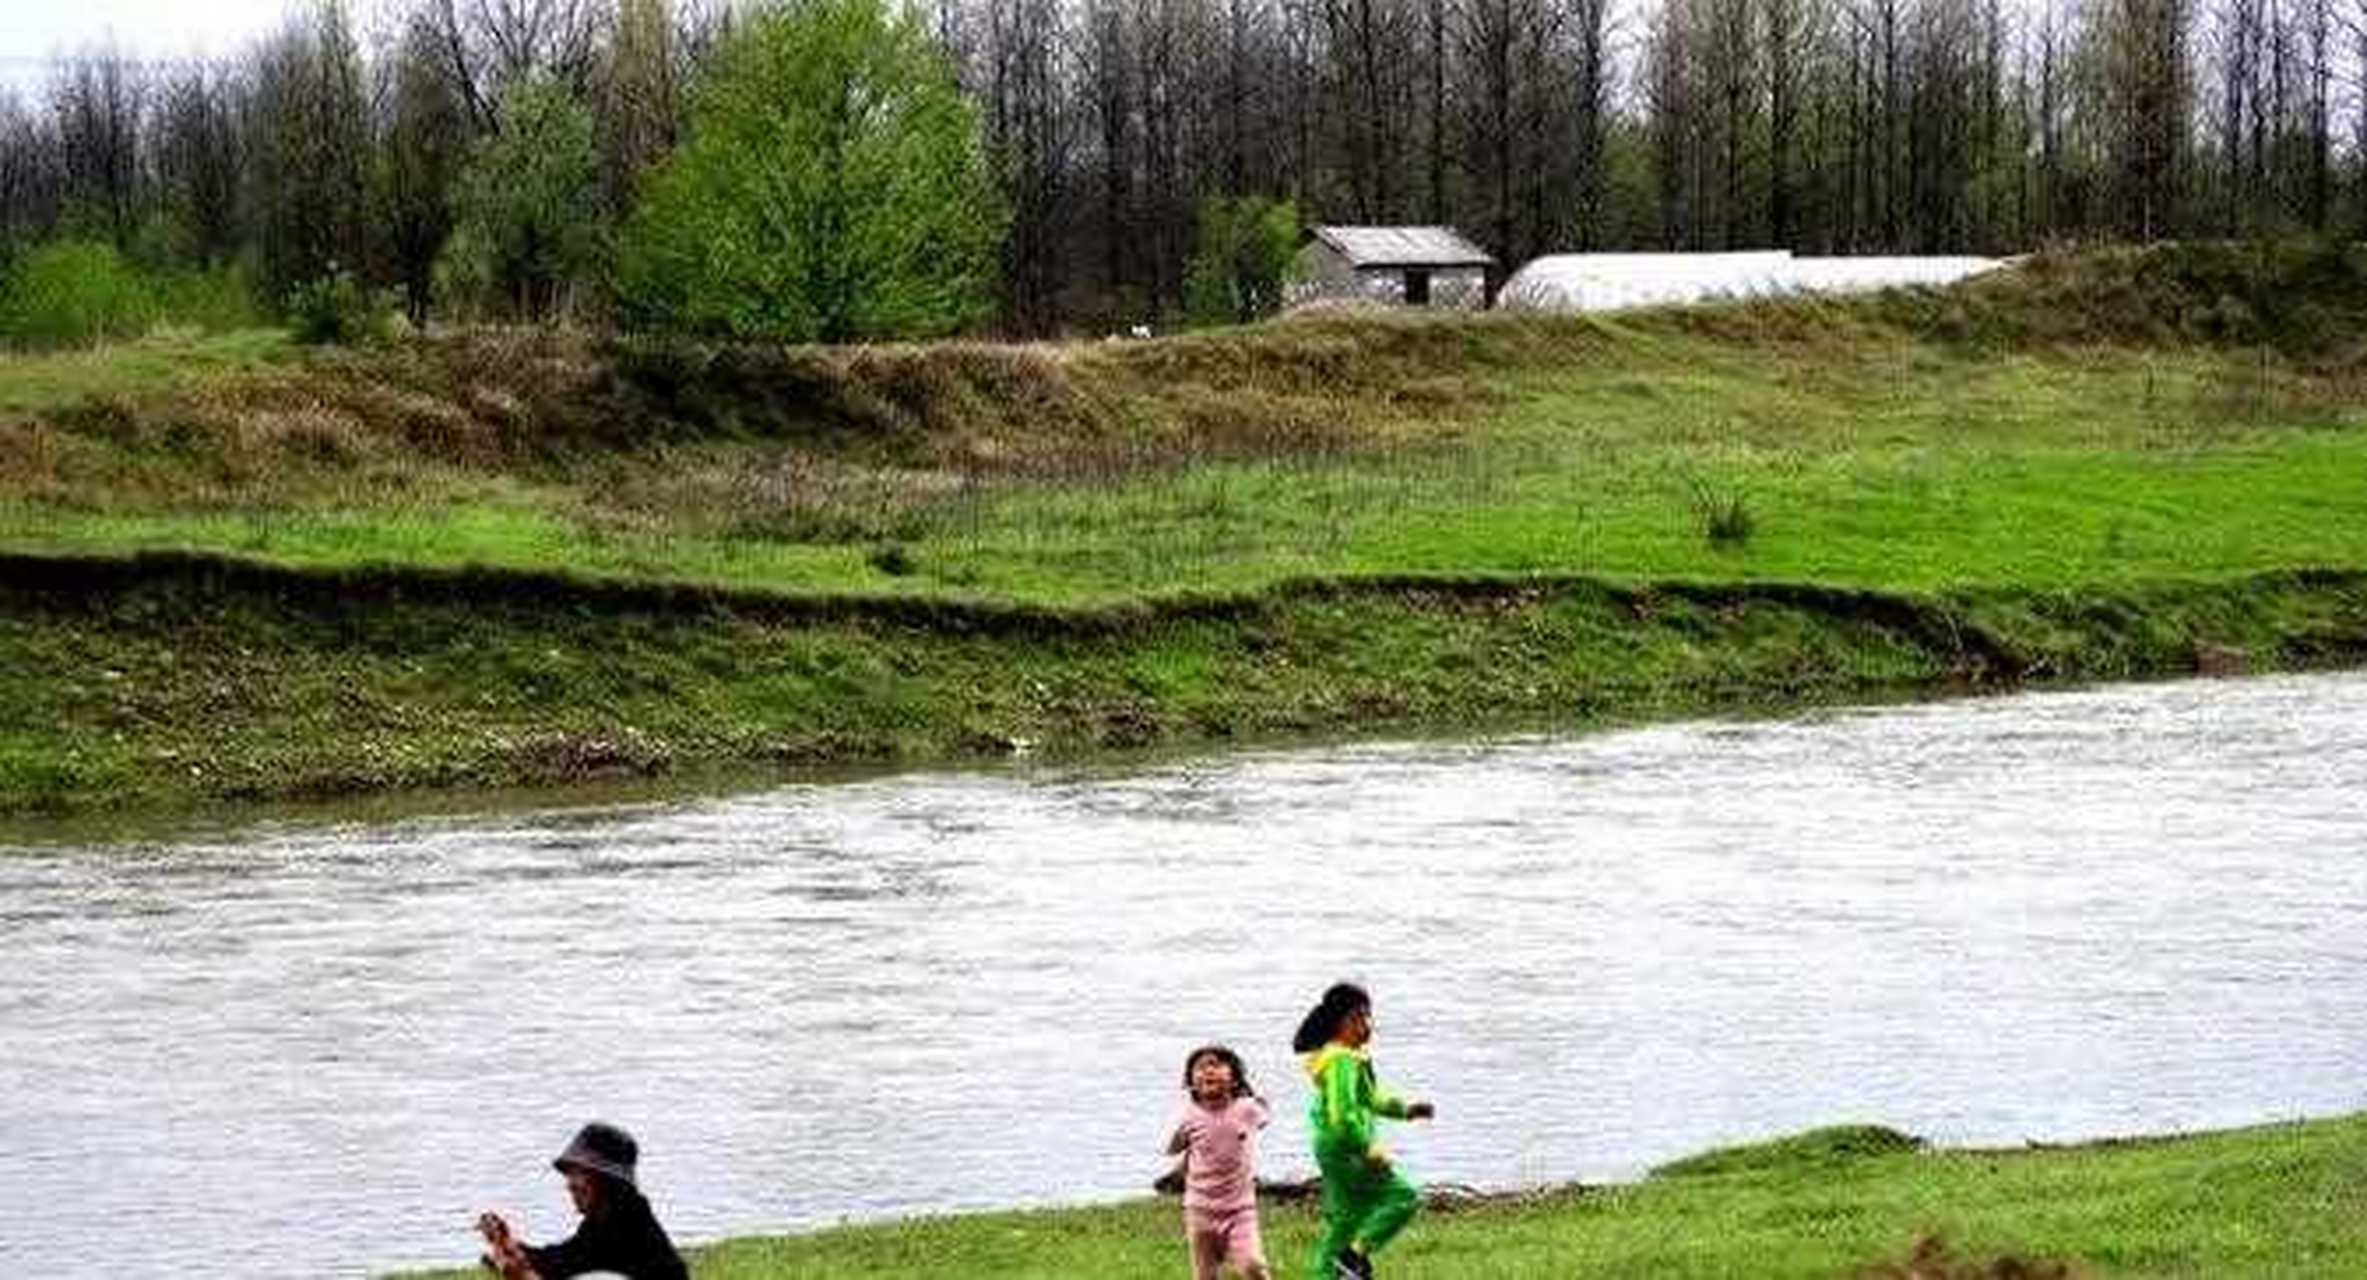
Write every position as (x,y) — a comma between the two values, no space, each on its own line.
(1378,1156)
(510,1263)
(504,1256)
(1420,1111)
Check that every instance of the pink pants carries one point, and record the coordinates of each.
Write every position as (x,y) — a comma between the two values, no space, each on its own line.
(1219,1236)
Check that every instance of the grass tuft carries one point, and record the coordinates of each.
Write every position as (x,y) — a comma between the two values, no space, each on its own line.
(1723,514)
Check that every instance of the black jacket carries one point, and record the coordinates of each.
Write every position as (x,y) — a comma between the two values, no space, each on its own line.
(622,1235)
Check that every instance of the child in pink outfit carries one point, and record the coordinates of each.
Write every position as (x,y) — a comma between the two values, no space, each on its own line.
(1217,1137)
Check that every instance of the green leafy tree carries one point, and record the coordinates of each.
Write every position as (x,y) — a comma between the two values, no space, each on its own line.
(527,204)
(833,188)
(1247,245)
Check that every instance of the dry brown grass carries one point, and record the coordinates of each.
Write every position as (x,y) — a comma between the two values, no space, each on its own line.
(29,453)
(875,426)
(1931,1260)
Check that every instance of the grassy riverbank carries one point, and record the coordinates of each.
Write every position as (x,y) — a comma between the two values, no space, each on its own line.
(195,678)
(2280,1201)
(493,559)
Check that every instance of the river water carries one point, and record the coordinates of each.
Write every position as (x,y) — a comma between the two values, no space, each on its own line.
(317,1049)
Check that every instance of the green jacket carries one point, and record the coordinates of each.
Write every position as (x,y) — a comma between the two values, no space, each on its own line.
(1347,1097)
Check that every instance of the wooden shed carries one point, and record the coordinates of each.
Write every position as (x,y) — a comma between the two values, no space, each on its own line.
(1397,266)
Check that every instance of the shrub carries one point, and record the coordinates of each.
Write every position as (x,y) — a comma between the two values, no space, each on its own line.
(74,293)
(337,308)
(211,299)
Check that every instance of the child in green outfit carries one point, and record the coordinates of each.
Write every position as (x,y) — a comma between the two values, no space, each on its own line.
(1366,1201)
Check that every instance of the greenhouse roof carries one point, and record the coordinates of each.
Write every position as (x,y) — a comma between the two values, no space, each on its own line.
(1610,281)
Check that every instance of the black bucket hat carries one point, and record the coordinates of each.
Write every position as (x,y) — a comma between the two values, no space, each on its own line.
(602,1149)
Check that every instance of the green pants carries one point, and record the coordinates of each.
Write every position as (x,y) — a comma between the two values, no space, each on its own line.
(1364,1204)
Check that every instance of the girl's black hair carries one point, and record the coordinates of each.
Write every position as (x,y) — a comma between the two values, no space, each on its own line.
(1323,1021)
(1226,1056)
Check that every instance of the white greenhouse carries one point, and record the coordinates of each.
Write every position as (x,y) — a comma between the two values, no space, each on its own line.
(1610,281)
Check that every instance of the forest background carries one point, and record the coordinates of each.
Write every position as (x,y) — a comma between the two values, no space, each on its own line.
(1124,139)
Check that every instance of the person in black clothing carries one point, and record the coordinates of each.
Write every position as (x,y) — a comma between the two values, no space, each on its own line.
(619,1233)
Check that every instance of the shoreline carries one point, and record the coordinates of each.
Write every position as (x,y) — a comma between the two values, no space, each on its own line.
(200,679)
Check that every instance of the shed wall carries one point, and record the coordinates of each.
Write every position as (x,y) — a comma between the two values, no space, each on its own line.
(1324,274)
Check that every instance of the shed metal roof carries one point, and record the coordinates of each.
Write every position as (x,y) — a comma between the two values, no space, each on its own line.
(1404,247)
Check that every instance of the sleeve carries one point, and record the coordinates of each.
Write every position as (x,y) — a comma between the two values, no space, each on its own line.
(1183,1134)
(1347,1117)
(1385,1103)
(1258,1113)
(629,1242)
(569,1257)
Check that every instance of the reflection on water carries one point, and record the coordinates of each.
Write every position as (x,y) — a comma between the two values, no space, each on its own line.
(319,1050)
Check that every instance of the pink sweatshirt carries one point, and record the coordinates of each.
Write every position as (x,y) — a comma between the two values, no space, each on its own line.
(1221,1169)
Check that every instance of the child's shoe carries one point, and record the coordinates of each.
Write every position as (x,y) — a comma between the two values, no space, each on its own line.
(1351,1264)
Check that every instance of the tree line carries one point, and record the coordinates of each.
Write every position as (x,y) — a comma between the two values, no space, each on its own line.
(498,158)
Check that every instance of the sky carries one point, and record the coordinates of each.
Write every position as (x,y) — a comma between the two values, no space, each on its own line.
(33,30)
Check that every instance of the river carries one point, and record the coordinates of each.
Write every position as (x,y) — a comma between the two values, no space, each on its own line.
(317,1048)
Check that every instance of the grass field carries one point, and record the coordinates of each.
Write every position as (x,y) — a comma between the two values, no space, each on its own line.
(462,561)
(1888,463)
(161,363)
(2278,1201)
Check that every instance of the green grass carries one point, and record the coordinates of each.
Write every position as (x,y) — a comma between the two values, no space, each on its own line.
(161,362)
(1886,464)
(2280,1201)
(608,555)
(176,681)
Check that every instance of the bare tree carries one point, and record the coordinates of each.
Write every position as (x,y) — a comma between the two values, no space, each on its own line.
(487,44)
(424,143)
(637,102)
(98,99)
(2357,26)
(308,136)
(2319,48)
(1106,80)
(1028,125)
(1371,48)
(1590,103)
(2241,40)
(1674,102)
(2056,90)
(31,187)
(199,152)
(1506,50)
(1795,31)
(2142,50)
